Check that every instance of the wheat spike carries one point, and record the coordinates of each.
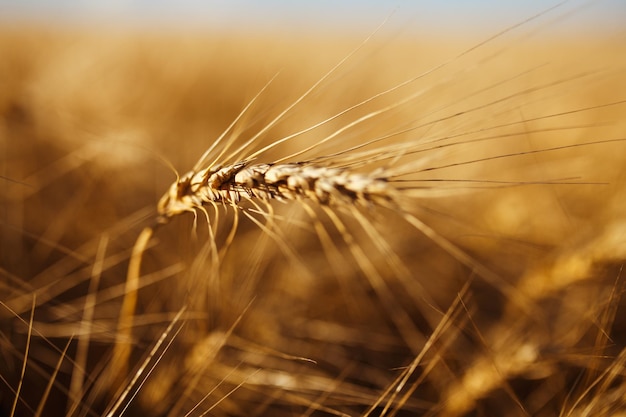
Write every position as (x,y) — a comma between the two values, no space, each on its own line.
(243,181)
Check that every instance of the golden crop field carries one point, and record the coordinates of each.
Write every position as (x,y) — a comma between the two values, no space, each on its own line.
(394,226)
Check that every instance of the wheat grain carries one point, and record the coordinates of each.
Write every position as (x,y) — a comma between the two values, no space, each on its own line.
(244,181)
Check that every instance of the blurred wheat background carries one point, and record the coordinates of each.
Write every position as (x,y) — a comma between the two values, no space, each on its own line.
(522,168)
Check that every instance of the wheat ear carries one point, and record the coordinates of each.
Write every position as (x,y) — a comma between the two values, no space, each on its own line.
(243,181)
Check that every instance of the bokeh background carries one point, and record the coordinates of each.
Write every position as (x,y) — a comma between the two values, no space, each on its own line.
(435,17)
(98,100)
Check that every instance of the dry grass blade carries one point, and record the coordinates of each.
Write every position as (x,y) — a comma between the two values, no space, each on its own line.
(52,380)
(121,401)
(25,361)
(76,384)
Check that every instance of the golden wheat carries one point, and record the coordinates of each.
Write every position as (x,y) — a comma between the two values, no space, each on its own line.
(403,229)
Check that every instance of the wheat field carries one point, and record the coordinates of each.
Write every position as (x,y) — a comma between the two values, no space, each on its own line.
(485,279)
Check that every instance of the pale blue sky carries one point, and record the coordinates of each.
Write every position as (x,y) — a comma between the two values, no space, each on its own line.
(326,14)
